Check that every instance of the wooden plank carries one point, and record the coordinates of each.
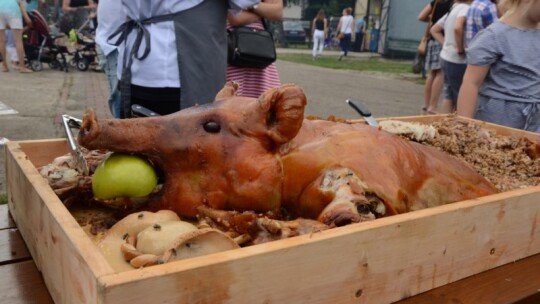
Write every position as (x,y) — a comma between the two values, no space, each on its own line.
(517,282)
(12,247)
(67,258)
(5,219)
(374,262)
(21,283)
(33,149)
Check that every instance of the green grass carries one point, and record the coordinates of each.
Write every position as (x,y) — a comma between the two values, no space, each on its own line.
(3,199)
(350,63)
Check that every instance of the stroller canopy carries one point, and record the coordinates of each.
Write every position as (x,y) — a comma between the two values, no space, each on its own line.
(39,30)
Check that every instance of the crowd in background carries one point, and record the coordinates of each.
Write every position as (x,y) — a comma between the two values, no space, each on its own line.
(484,54)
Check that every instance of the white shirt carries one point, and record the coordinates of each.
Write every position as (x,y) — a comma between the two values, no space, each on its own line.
(346,24)
(160,67)
(110,16)
(449,50)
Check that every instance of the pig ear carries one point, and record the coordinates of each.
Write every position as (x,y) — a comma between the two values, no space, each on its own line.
(285,106)
(229,90)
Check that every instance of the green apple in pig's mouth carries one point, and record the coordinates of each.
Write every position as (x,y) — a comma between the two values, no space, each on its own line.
(123,175)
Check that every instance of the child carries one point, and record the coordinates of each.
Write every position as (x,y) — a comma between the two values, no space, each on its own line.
(502,81)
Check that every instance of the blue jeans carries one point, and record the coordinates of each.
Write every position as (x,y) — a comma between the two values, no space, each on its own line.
(108,64)
(345,44)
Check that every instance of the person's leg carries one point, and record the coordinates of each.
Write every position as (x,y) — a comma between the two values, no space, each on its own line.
(453,77)
(342,46)
(112,79)
(11,53)
(17,37)
(436,89)
(320,41)
(427,89)
(3,51)
(347,39)
(315,43)
(160,100)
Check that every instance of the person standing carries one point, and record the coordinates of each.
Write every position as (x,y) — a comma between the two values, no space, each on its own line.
(110,16)
(502,81)
(431,13)
(255,81)
(75,13)
(12,13)
(481,14)
(173,52)
(453,51)
(319,30)
(345,29)
(358,45)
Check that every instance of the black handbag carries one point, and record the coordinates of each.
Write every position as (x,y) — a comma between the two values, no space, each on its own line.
(250,47)
(418,63)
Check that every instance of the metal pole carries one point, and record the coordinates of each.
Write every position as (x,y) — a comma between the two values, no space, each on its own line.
(368,13)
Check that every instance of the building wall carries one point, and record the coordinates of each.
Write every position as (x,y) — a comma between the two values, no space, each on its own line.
(292,11)
(403,31)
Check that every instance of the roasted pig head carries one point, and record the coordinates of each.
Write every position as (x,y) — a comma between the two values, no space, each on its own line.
(241,153)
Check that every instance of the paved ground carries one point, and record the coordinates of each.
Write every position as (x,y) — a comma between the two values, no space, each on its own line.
(40,98)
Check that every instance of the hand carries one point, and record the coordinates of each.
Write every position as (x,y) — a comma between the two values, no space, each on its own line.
(28,21)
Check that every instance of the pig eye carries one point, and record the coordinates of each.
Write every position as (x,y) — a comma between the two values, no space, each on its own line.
(212,127)
(363,209)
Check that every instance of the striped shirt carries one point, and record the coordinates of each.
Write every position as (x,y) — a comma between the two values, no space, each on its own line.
(481,14)
(253,82)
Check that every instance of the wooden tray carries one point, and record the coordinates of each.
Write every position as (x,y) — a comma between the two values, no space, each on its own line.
(374,262)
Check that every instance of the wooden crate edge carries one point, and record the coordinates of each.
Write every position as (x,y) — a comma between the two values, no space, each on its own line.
(444,258)
(60,248)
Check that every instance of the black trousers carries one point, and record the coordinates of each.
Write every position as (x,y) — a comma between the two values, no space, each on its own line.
(357,45)
(160,100)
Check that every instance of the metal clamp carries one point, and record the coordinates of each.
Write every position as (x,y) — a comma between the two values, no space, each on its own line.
(74,123)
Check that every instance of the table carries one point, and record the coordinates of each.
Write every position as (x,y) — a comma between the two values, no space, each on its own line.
(519,282)
(20,280)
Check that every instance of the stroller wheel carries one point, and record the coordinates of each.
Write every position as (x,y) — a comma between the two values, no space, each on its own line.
(55,64)
(82,64)
(36,65)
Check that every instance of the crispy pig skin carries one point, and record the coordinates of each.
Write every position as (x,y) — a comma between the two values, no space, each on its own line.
(241,153)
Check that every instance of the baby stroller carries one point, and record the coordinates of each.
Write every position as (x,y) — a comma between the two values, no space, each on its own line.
(40,46)
(85,48)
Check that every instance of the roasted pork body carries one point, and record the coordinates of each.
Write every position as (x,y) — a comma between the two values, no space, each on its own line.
(241,154)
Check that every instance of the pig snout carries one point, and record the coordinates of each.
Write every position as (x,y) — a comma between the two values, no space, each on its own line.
(89,129)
